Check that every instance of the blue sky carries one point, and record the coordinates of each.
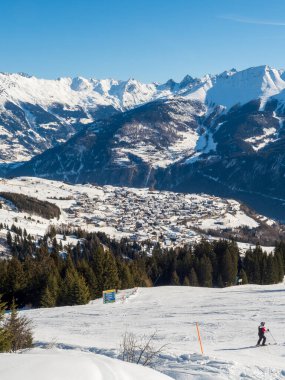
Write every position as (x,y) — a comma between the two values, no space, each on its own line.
(151,40)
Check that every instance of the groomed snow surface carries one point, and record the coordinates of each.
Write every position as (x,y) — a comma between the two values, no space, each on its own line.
(228,320)
(70,365)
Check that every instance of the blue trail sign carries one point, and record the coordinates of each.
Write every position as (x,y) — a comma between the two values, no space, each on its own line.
(109,296)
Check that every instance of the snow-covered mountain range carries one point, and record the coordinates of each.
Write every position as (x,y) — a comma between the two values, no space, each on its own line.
(222,134)
(227,89)
(36,114)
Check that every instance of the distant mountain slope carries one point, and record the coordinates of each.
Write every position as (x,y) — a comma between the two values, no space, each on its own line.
(222,134)
(37,114)
(126,148)
(173,144)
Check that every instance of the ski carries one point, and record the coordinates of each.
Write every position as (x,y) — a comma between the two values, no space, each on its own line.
(267,344)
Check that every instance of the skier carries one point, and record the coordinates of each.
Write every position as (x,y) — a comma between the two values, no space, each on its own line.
(261,334)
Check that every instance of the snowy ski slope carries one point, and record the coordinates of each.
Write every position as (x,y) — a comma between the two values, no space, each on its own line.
(70,365)
(228,320)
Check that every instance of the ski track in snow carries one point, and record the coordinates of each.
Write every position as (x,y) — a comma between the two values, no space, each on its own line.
(228,320)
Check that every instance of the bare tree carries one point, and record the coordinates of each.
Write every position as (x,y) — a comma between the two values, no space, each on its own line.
(140,349)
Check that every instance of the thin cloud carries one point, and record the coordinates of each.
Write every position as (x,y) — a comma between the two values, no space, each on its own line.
(253,21)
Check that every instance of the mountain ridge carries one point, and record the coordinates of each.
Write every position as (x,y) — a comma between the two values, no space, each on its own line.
(224,132)
(38,114)
(263,80)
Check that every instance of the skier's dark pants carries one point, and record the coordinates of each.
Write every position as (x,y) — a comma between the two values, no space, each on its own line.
(261,338)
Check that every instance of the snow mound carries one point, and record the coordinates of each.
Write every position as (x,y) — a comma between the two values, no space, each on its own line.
(70,365)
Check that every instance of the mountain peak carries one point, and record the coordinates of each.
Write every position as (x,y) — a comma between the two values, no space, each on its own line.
(227,73)
(170,82)
(80,84)
(186,81)
(226,89)
(24,75)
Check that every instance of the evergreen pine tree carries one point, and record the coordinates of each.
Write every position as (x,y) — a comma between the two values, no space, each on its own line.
(81,294)
(15,279)
(174,279)
(186,281)
(125,276)
(47,299)
(248,264)
(110,276)
(220,282)
(259,264)
(66,291)
(243,276)
(184,263)
(279,265)
(193,279)
(19,330)
(86,271)
(228,268)
(97,263)
(9,238)
(74,289)
(205,272)
(4,336)
(269,273)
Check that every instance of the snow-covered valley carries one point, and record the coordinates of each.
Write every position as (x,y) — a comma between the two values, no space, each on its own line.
(172,219)
(222,134)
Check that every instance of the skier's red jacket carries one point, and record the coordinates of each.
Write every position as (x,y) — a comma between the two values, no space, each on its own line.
(262,330)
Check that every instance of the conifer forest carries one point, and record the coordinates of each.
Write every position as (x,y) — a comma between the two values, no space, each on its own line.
(45,274)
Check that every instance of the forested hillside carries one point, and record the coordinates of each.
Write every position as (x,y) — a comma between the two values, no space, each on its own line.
(44,273)
(32,205)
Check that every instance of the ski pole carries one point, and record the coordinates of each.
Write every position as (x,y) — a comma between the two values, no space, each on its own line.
(272,337)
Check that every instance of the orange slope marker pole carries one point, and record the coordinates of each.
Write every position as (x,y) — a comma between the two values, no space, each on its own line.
(199,338)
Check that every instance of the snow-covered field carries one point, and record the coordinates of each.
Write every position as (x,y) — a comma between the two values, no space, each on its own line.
(228,320)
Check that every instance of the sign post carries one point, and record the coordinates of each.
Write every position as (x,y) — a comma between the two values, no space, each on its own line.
(199,338)
(109,296)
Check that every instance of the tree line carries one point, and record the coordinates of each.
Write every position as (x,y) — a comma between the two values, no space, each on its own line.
(216,264)
(45,274)
(32,205)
